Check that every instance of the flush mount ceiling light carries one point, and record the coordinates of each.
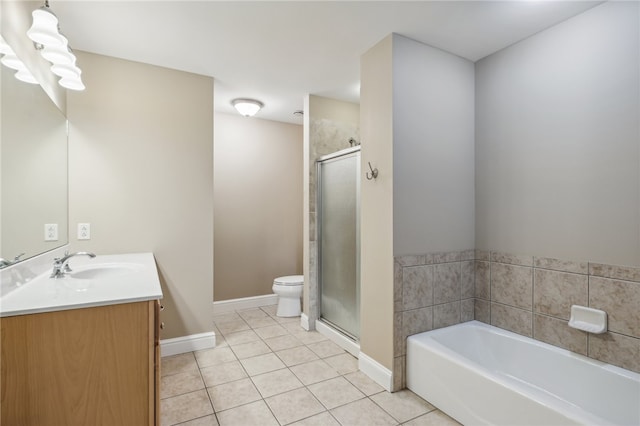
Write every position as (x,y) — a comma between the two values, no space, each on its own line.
(247,107)
(54,47)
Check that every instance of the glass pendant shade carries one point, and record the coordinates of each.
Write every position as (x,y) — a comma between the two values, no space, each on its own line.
(5,49)
(58,55)
(66,70)
(44,29)
(12,61)
(72,83)
(26,76)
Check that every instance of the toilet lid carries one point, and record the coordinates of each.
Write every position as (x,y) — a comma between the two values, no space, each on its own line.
(290,280)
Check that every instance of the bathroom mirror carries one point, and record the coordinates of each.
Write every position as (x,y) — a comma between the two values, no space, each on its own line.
(33,170)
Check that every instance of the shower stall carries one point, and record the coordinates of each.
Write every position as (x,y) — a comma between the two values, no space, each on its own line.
(338,222)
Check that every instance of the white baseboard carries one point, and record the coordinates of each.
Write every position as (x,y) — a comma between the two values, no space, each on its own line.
(376,371)
(304,321)
(338,338)
(194,342)
(224,306)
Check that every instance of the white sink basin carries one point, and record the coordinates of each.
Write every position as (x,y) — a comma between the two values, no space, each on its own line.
(103,280)
(103,270)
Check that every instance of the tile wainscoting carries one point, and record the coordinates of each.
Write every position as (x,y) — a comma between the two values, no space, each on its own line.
(431,291)
(528,295)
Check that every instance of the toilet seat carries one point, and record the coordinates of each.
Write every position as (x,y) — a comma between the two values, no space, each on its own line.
(289,290)
(289,280)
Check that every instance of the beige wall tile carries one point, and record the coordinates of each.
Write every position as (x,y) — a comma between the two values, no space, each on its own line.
(411,260)
(482,280)
(446,314)
(446,282)
(512,285)
(483,255)
(468,254)
(417,287)
(512,259)
(446,256)
(482,310)
(555,292)
(398,335)
(620,300)
(616,349)
(512,319)
(558,333)
(467,307)
(561,265)
(618,272)
(467,279)
(399,364)
(416,321)
(397,286)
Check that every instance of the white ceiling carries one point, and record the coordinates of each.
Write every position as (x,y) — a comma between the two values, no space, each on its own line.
(277,52)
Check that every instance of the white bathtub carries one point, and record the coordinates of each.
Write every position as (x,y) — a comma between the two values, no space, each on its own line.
(479,374)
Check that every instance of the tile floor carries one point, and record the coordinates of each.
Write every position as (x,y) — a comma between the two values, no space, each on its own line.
(267,370)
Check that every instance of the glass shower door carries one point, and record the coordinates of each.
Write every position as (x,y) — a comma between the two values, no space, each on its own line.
(339,241)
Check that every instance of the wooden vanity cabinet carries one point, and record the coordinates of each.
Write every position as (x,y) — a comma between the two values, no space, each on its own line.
(90,366)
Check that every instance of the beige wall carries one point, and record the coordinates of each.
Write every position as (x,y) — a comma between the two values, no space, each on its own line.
(258,204)
(558,141)
(141,172)
(376,226)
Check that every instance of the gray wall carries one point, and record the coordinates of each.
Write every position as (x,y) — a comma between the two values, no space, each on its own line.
(433,149)
(558,141)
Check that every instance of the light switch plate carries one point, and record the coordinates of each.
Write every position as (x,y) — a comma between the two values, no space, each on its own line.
(51,232)
(84,231)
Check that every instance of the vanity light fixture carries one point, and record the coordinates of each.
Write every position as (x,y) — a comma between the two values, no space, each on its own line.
(10,60)
(247,107)
(44,29)
(54,47)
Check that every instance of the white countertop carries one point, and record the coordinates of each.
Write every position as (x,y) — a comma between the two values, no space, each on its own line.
(103,280)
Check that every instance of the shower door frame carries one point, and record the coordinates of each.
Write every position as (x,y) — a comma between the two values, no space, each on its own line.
(354,151)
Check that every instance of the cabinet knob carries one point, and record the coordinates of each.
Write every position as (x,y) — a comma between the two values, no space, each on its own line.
(162,325)
(162,307)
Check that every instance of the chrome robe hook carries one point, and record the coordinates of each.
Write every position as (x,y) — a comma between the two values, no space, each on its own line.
(373,174)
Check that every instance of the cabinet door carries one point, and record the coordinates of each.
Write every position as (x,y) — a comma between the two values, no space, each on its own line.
(78,367)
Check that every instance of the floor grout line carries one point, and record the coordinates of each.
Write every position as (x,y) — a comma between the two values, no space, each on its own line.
(290,331)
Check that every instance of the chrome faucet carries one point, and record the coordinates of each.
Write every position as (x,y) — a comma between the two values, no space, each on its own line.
(61,264)
(4,262)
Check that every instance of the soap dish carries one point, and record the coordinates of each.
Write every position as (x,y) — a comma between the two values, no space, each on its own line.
(588,319)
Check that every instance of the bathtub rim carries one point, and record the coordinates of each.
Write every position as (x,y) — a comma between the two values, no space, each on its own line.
(562,407)
(529,340)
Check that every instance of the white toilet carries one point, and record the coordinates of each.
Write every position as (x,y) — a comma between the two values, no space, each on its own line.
(289,291)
